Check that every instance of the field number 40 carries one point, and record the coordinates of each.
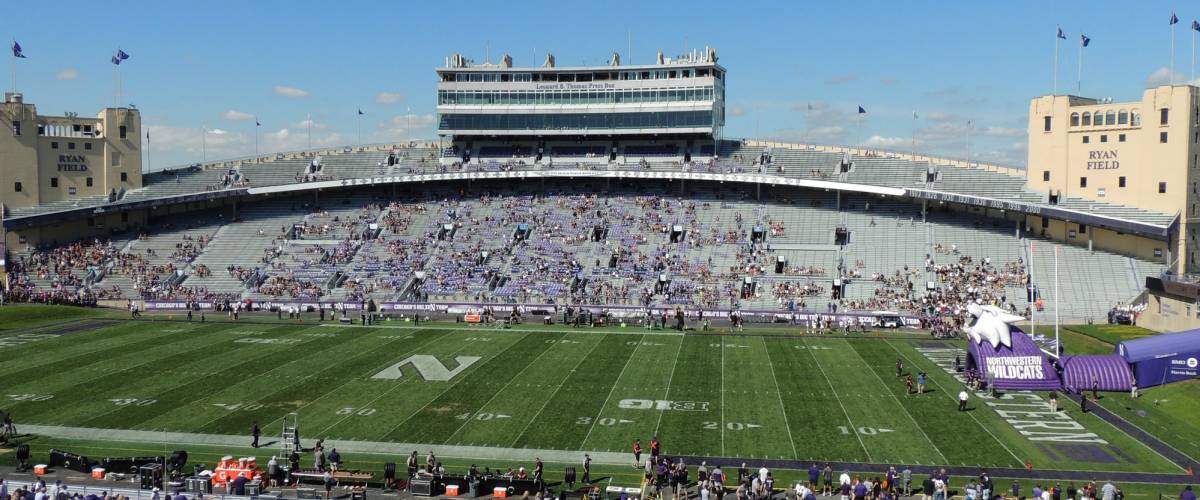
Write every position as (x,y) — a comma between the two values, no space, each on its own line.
(866,431)
(359,412)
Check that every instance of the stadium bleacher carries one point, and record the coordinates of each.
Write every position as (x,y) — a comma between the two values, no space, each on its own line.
(596,244)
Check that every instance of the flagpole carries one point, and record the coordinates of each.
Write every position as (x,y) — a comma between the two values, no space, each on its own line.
(1079,77)
(308,127)
(913,151)
(1057,304)
(204,144)
(359,118)
(1173,49)
(1033,291)
(256,137)
(1193,76)
(968,143)
(1056,39)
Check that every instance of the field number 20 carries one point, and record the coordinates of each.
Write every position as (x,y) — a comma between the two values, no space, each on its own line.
(733,426)
(358,412)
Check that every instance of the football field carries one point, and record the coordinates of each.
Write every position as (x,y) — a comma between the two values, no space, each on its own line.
(778,395)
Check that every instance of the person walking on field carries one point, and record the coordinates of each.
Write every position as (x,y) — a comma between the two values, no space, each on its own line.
(962,400)
(637,453)
(921,383)
(255,432)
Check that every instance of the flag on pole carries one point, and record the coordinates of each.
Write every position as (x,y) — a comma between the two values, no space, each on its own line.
(147,136)
(1195,25)
(17,51)
(810,106)
(1061,34)
(1174,19)
(256,123)
(914,115)
(360,111)
(861,111)
(1084,40)
(119,56)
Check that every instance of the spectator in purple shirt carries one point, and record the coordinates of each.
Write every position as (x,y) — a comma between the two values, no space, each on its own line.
(1187,494)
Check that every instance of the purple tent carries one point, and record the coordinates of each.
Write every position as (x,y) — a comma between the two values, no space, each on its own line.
(1110,373)
(1161,359)
(1021,366)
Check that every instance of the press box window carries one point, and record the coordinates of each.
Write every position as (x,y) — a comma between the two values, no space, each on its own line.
(1083,182)
(1082,229)
(1103,138)
(89,182)
(16,127)
(1162,187)
(1121,181)
(1162,137)
(53,145)
(1046,175)
(1162,116)
(124,177)
(121,131)
(1046,123)
(70,145)
(1086,139)
(1120,137)
(87,146)
(54,182)
(17,187)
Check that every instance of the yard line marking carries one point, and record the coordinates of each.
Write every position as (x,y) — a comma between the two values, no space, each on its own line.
(511,330)
(839,401)
(458,380)
(898,403)
(951,396)
(348,380)
(616,382)
(106,373)
(555,393)
(289,385)
(722,397)
(779,393)
(159,393)
(667,390)
(497,393)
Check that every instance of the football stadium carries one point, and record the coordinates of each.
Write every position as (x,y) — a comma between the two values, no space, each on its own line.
(582,285)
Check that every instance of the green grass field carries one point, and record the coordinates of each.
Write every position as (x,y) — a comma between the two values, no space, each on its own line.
(751,396)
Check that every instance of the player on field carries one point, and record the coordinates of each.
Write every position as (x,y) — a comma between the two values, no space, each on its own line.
(637,453)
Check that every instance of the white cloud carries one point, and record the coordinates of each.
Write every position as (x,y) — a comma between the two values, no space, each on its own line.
(1162,76)
(1001,132)
(818,135)
(842,79)
(877,141)
(174,146)
(238,116)
(389,98)
(939,117)
(305,124)
(888,81)
(737,111)
(402,127)
(66,74)
(289,91)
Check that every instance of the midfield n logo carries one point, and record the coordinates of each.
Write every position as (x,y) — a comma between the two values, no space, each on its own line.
(428,366)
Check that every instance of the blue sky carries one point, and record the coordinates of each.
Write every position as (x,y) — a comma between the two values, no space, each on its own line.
(215,64)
